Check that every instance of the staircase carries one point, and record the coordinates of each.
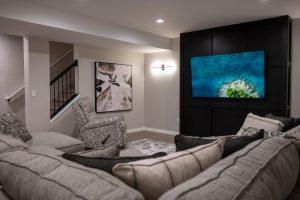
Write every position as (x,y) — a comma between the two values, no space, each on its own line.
(63,70)
(62,89)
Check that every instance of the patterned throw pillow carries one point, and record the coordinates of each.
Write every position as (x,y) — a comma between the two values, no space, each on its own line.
(269,134)
(261,123)
(250,131)
(10,125)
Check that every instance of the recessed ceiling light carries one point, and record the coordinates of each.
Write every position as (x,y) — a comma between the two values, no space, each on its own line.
(160,21)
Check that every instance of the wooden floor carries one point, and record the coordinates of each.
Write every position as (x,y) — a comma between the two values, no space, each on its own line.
(151,136)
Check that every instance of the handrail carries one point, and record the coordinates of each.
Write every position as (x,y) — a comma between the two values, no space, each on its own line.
(74,64)
(20,89)
(59,59)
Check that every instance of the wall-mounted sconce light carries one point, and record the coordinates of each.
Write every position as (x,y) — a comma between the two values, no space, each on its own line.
(162,67)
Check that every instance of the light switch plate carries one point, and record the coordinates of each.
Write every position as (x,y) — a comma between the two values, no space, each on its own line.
(33,93)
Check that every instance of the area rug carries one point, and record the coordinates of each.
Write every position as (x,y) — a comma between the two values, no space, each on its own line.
(147,147)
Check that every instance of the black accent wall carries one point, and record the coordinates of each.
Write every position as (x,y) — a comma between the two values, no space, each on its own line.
(206,117)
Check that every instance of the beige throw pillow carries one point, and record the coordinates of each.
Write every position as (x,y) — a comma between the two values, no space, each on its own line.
(258,122)
(153,177)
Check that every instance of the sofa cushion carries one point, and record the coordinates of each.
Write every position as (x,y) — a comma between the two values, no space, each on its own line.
(8,142)
(106,163)
(256,121)
(110,150)
(265,169)
(56,140)
(3,195)
(294,136)
(26,174)
(10,125)
(46,150)
(153,177)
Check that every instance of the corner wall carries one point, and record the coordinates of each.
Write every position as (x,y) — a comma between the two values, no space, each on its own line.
(37,88)
(162,90)
(11,74)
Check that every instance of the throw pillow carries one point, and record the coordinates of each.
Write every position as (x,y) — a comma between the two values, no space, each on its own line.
(10,125)
(183,142)
(269,134)
(250,131)
(287,122)
(110,150)
(296,122)
(234,144)
(256,121)
(153,177)
(106,163)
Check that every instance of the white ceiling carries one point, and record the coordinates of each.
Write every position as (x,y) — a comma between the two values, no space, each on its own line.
(179,15)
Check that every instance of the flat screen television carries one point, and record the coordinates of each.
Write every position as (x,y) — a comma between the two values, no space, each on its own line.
(236,75)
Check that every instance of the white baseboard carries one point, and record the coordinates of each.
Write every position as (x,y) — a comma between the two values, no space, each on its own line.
(136,130)
(152,130)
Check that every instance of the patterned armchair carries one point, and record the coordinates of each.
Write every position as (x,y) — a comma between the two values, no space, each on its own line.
(96,130)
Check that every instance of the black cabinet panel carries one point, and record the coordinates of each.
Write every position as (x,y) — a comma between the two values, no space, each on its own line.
(195,121)
(212,116)
(268,35)
(227,121)
(229,39)
(195,44)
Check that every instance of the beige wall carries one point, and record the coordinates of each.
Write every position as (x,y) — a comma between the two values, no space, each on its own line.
(295,100)
(37,80)
(36,67)
(88,55)
(162,90)
(11,73)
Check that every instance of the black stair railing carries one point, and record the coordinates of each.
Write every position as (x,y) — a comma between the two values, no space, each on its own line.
(62,89)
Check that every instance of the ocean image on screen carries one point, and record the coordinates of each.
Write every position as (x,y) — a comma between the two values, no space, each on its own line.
(238,75)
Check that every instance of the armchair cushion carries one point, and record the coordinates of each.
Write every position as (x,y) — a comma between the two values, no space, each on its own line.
(56,140)
(96,136)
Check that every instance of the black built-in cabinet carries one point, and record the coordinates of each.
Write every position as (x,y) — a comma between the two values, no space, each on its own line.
(212,116)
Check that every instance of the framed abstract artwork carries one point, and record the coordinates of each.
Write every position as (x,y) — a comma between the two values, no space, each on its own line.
(113,87)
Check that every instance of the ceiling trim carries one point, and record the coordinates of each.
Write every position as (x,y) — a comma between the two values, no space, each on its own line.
(37,20)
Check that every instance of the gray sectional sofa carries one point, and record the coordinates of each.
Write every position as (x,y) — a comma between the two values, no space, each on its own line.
(265,169)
